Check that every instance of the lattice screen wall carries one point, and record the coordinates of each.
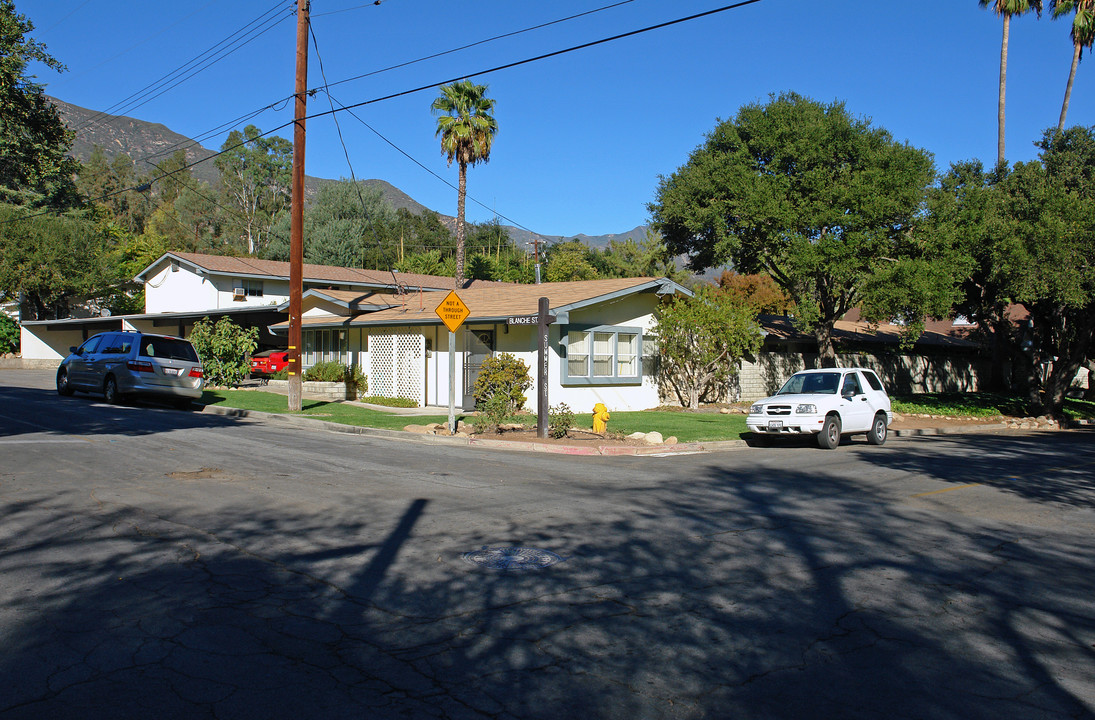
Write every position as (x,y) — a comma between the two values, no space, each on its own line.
(398,366)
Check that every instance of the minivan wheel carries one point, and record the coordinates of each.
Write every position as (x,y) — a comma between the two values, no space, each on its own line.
(63,388)
(878,432)
(110,391)
(829,437)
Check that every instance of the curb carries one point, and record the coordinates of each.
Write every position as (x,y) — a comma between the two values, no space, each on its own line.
(956,430)
(518,446)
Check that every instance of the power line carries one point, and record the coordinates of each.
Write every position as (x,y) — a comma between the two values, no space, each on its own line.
(349,163)
(479,42)
(430,86)
(201,62)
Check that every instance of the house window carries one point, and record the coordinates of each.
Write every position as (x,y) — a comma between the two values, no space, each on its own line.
(325,346)
(602,356)
(253,288)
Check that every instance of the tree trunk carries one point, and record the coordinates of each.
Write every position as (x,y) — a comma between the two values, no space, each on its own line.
(1068,88)
(461,193)
(825,350)
(1003,86)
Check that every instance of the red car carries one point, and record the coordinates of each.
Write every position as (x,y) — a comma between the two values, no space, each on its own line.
(269,362)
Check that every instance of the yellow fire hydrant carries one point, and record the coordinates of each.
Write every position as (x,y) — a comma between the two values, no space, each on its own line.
(600,418)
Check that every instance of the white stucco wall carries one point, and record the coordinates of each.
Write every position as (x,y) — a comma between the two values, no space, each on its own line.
(179,291)
(48,344)
(184,290)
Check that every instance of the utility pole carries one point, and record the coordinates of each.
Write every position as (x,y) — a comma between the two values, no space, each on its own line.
(296,214)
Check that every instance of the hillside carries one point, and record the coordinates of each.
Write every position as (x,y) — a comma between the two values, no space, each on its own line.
(148,144)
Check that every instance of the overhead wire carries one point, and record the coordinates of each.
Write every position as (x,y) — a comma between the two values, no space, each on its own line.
(247,116)
(353,177)
(199,63)
(432,85)
(479,42)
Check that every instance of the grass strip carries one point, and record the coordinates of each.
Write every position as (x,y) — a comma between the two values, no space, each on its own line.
(686,426)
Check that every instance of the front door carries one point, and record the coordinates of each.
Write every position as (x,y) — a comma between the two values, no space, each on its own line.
(480,347)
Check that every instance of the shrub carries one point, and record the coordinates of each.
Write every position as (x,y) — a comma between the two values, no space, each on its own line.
(9,334)
(560,420)
(225,349)
(337,372)
(500,387)
(493,411)
(389,401)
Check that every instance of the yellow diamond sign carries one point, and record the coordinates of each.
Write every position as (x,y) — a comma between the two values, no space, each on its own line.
(452,311)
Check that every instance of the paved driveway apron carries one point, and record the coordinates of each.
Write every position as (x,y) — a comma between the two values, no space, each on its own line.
(162,564)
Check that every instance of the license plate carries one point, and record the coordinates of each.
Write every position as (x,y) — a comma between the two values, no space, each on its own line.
(172,371)
(775,424)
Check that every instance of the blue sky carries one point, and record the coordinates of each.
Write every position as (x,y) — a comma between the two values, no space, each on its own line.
(584,136)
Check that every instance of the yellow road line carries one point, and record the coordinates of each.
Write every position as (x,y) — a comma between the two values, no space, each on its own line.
(956,487)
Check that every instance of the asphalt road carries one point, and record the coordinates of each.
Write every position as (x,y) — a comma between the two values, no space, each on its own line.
(163,564)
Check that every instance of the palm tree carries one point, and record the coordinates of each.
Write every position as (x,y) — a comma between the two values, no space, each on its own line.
(467,131)
(1082,34)
(1006,9)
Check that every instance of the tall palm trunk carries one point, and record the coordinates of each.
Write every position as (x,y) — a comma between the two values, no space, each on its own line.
(1077,49)
(1003,89)
(460,194)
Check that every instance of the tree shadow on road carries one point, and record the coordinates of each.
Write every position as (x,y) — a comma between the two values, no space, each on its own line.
(723,595)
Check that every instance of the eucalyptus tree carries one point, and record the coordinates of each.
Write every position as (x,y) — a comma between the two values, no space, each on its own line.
(256,177)
(1082,34)
(1006,9)
(467,129)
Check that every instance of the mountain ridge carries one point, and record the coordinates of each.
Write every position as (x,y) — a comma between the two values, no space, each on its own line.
(149,144)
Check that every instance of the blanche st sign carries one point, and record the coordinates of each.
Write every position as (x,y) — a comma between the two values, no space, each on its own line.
(528,320)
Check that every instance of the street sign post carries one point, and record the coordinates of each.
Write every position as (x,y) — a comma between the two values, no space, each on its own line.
(453,312)
(543,319)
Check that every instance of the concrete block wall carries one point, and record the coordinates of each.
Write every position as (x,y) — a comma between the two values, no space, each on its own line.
(765,374)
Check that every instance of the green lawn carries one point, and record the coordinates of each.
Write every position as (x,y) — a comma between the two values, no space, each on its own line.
(980,405)
(686,426)
(322,410)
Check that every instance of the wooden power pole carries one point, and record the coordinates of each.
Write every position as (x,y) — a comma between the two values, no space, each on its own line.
(296,214)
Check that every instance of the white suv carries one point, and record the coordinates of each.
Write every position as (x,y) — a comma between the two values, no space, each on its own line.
(828,403)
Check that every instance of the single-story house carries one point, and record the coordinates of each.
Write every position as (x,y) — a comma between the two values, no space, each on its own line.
(182,288)
(600,344)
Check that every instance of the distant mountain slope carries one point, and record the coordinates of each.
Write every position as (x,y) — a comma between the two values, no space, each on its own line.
(149,144)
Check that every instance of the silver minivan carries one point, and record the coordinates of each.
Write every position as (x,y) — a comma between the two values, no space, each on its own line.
(129,364)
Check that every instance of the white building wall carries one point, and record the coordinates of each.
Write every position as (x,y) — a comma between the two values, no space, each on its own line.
(178,291)
(48,344)
(183,290)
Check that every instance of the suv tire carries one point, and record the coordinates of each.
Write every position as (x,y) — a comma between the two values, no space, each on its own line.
(879,431)
(829,437)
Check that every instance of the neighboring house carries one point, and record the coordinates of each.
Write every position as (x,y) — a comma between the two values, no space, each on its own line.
(182,288)
(600,346)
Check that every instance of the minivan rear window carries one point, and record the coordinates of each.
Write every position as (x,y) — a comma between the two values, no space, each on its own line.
(168,348)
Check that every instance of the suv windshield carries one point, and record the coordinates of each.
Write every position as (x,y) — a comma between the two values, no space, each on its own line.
(821,383)
(169,348)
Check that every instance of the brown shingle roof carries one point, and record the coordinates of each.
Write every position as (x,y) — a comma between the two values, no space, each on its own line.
(323,273)
(493,303)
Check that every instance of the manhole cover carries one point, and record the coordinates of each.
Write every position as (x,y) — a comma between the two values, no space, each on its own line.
(511,558)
